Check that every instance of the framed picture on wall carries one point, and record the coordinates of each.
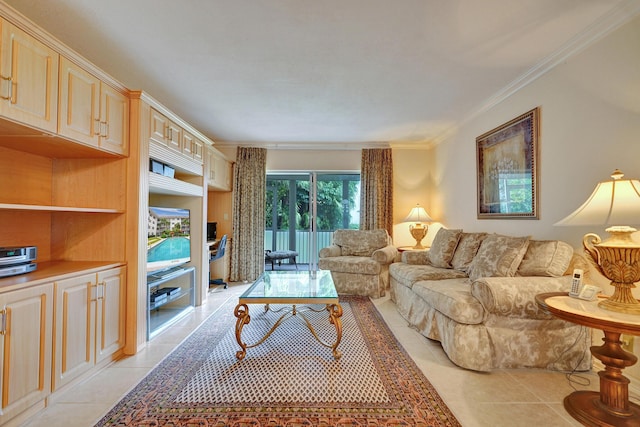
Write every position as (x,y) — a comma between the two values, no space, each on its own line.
(507,169)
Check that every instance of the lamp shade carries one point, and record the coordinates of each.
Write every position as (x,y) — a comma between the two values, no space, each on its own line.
(612,203)
(418,214)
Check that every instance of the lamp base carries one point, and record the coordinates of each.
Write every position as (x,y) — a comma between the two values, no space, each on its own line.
(618,259)
(418,232)
(620,307)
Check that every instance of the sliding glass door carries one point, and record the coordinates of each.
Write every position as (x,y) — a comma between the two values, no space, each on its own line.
(303,210)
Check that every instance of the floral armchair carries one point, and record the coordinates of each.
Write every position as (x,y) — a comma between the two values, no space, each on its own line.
(359,261)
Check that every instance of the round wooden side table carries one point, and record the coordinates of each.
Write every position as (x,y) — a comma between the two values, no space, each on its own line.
(410,248)
(610,406)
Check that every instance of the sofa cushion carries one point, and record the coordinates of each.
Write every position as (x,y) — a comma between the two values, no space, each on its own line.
(467,248)
(498,256)
(546,258)
(516,296)
(443,247)
(451,297)
(408,274)
(360,242)
(350,264)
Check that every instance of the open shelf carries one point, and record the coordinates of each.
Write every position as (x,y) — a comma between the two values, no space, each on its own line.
(164,312)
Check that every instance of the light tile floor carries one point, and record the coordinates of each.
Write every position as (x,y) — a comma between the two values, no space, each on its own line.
(501,398)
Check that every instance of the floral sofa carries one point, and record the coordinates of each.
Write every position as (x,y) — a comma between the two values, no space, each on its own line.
(475,294)
(359,261)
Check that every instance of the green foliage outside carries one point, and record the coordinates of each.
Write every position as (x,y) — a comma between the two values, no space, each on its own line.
(333,212)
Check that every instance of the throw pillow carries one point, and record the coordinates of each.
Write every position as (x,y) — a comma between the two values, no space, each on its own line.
(498,256)
(443,247)
(546,258)
(467,248)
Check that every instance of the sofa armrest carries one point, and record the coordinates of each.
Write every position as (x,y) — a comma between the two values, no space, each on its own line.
(416,257)
(515,296)
(385,255)
(329,251)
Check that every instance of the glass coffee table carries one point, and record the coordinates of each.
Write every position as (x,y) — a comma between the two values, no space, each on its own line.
(301,290)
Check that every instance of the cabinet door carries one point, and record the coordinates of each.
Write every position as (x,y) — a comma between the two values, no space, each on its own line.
(25,348)
(198,150)
(75,328)
(158,127)
(187,144)
(174,136)
(29,79)
(114,120)
(79,116)
(210,166)
(110,312)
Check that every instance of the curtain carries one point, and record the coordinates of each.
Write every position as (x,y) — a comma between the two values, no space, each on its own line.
(376,193)
(249,187)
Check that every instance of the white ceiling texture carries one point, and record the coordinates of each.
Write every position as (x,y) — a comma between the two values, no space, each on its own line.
(328,74)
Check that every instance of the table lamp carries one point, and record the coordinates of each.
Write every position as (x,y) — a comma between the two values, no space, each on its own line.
(418,230)
(615,204)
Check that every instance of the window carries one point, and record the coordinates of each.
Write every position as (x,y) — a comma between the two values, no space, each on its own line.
(288,207)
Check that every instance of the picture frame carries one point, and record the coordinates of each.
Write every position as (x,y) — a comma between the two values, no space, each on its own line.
(507,169)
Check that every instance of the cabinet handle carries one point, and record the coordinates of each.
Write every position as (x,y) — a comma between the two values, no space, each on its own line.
(106,129)
(99,126)
(94,292)
(3,323)
(170,134)
(100,287)
(8,80)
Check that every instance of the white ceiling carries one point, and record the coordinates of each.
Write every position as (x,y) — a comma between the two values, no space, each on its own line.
(326,73)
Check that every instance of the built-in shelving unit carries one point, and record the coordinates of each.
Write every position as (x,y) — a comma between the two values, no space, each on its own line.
(63,168)
(163,137)
(171,296)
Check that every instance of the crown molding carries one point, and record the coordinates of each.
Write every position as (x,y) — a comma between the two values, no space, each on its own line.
(611,21)
(322,146)
(614,19)
(32,29)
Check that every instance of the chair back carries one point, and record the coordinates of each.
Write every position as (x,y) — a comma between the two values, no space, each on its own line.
(221,248)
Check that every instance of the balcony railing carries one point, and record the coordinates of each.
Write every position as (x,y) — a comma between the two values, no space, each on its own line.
(301,242)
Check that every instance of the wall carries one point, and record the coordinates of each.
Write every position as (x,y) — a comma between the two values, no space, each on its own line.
(313,160)
(590,125)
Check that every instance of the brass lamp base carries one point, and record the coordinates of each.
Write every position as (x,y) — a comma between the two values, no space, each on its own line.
(418,232)
(618,259)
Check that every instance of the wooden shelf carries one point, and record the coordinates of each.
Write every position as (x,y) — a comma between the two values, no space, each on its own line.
(44,208)
(52,271)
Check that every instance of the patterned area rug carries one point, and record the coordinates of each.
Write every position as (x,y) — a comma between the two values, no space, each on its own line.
(288,380)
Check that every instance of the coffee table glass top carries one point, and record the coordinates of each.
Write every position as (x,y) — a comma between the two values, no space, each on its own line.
(292,287)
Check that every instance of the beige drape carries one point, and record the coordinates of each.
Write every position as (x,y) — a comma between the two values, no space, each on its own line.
(249,184)
(376,193)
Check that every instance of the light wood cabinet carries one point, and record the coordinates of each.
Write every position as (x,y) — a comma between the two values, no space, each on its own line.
(25,348)
(89,322)
(28,79)
(75,328)
(165,131)
(192,147)
(91,111)
(110,313)
(218,171)
(64,169)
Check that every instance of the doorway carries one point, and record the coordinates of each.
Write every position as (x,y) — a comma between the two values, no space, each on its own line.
(303,210)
